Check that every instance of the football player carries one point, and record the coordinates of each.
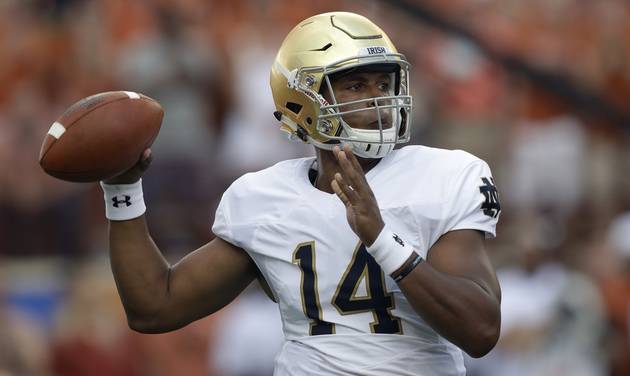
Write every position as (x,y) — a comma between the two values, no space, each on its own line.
(375,256)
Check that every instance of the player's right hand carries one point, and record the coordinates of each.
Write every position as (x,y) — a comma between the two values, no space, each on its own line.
(352,188)
(134,173)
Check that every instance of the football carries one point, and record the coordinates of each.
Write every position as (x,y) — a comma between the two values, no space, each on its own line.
(100,136)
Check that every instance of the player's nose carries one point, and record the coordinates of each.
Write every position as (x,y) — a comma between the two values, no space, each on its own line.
(374,91)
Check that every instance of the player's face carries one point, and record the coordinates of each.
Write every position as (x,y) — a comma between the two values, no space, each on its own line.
(362,85)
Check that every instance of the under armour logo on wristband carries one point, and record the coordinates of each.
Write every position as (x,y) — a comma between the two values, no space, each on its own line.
(126,201)
(398,240)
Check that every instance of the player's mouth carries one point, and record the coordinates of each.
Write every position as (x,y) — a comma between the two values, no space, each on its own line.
(374,125)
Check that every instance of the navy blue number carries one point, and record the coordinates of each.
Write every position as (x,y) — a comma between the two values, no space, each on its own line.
(304,256)
(364,268)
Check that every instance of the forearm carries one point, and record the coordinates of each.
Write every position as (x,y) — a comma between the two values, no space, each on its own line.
(158,297)
(459,309)
(140,271)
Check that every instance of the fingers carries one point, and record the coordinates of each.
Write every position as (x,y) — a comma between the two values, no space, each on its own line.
(351,157)
(146,153)
(337,189)
(350,167)
(145,160)
(135,172)
(346,166)
(343,190)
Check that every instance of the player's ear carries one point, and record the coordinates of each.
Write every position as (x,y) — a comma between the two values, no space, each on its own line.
(324,90)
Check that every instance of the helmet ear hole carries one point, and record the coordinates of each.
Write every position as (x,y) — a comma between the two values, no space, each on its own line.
(403,123)
(294,107)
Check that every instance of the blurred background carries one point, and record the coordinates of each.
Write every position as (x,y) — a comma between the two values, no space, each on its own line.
(540,89)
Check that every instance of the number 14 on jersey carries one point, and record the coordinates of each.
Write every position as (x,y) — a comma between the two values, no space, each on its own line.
(345,300)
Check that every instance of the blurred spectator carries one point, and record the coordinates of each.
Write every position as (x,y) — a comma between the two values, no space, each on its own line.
(466,94)
(551,316)
(249,329)
(173,60)
(547,149)
(92,324)
(181,352)
(615,287)
(30,296)
(252,140)
(23,344)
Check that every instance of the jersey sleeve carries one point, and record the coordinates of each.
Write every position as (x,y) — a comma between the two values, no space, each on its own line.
(474,201)
(221,226)
(236,215)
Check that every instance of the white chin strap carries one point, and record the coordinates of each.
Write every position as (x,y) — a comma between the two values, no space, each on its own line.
(370,145)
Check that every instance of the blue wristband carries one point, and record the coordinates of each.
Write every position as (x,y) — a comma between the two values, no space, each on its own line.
(409,268)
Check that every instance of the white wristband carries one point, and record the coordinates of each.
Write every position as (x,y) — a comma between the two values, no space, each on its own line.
(390,251)
(123,201)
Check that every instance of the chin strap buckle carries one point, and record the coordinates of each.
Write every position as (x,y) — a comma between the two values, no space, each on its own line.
(302,134)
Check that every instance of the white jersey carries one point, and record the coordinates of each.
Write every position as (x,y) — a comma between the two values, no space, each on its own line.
(341,315)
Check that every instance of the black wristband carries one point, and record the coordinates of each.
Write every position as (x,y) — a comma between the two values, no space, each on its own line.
(409,268)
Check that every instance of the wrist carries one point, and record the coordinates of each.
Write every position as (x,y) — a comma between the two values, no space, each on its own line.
(123,201)
(371,238)
(389,250)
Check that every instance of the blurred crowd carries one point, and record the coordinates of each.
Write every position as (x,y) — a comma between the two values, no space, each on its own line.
(540,89)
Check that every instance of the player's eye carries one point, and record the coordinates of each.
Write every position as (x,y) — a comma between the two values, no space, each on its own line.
(384,87)
(355,86)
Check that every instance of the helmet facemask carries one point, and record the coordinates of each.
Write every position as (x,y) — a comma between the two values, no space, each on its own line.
(372,126)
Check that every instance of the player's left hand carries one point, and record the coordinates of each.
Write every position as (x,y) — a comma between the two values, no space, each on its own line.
(354,191)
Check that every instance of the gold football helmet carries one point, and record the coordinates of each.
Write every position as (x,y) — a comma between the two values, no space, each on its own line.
(328,45)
